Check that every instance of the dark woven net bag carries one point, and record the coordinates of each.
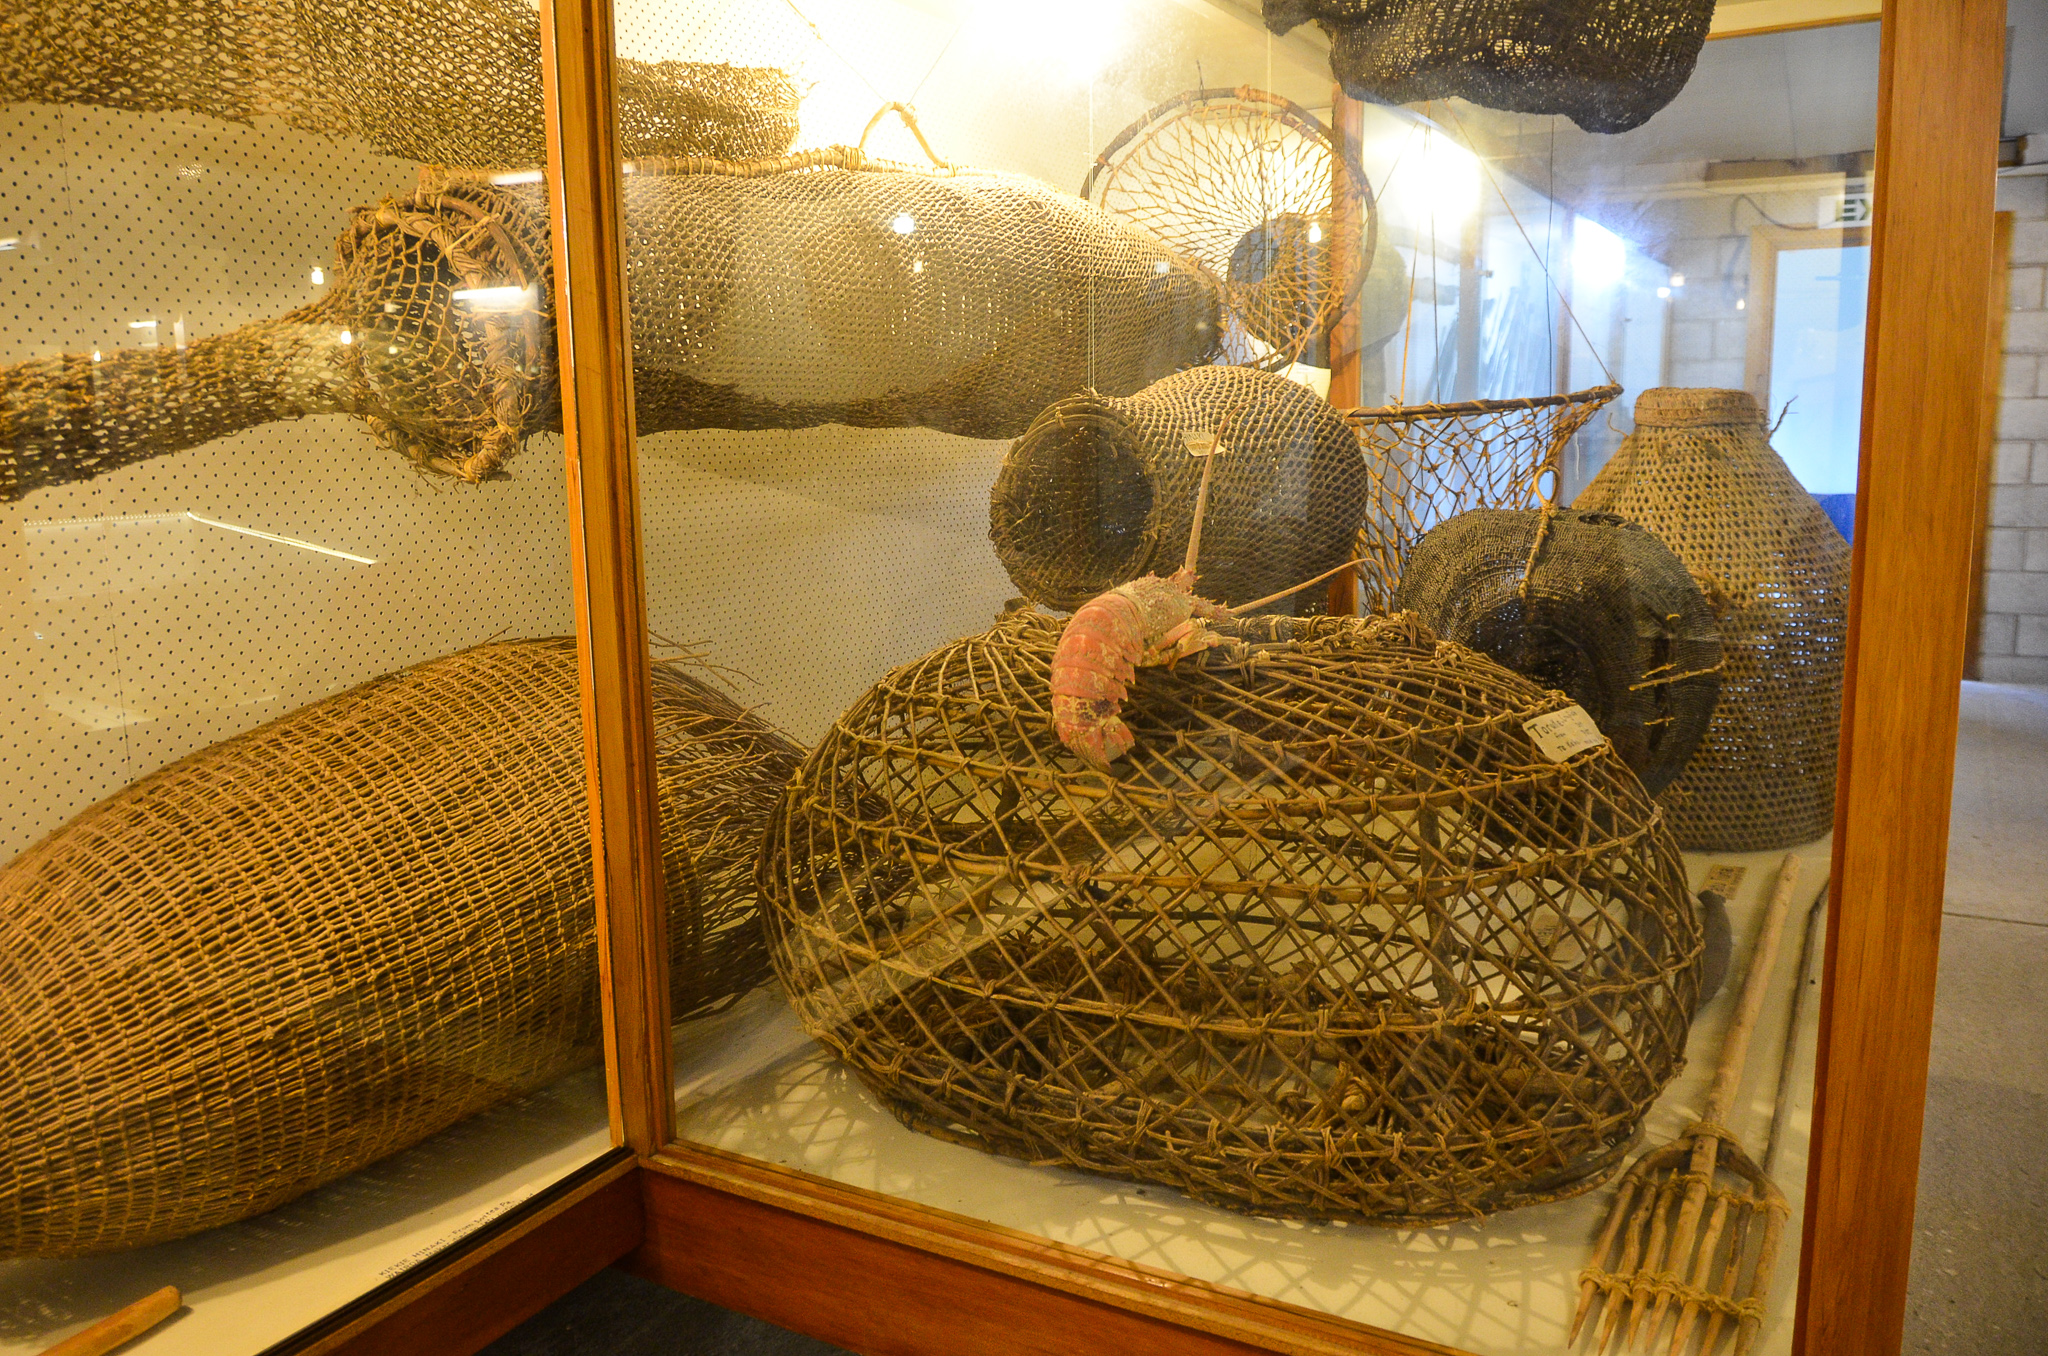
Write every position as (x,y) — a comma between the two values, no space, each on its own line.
(295,952)
(1101,490)
(1335,941)
(1587,604)
(779,294)
(1699,472)
(1608,65)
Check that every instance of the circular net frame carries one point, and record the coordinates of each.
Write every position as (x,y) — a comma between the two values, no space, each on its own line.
(302,949)
(1258,192)
(1587,604)
(1608,65)
(1336,942)
(1101,490)
(1699,472)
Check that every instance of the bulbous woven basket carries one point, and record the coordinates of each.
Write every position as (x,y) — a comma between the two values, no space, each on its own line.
(1699,472)
(307,947)
(1587,604)
(1336,942)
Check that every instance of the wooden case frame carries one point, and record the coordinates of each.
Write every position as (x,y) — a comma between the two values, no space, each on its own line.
(882,1275)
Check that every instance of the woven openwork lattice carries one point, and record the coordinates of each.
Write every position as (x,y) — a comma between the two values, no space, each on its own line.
(1099,490)
(1257,191)
(1608,65)
(307,947)
(1699,472)
(1587,604)
(450,82)
(1433,462)
(1335,941)
(770,294)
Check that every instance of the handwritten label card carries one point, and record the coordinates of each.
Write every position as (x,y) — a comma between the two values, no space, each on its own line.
(1559,735)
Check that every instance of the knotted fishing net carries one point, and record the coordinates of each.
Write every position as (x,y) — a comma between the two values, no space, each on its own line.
(1335,941)
(1587,604)
(1608,65)
(290,954)
(1699,472)
(814,289)
(451,82)
(1433,462)
(1101,490)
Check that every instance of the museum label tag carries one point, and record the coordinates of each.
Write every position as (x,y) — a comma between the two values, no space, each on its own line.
(1723,879)
(1202,442)
(1559,735)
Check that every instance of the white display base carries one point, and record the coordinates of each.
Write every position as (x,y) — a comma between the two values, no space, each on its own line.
(1498,1287)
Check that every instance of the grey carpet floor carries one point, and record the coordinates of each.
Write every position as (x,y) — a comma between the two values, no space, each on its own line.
(614,1314)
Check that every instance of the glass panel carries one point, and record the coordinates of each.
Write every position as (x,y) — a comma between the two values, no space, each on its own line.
(297,958)
(1325,961)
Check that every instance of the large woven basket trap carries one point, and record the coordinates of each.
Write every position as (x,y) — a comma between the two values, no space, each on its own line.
(295,952)
(1699,472)
(1335,941)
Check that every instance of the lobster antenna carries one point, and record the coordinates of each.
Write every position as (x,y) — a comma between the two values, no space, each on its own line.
(1202,497)
(1243,608)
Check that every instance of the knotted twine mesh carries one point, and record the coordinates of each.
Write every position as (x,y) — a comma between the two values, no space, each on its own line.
(1699,472)
(1335,941)
(1587,604)
(818,288)
(1608,65)
(450,82)
(1099,490)
(300,950)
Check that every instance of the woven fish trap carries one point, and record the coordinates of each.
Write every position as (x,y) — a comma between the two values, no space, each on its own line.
(812,289)
(1587,604)
(1101,490)
(1336,941)
(1432,462)
(1608,65)
(295,952)
(1699,472)
(1258,191)
(448,82)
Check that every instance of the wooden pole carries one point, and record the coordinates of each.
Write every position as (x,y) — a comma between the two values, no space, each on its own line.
(1347,391)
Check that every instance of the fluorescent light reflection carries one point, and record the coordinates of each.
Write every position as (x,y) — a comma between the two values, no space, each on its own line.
(495,298)
(1599,257)
(281,541)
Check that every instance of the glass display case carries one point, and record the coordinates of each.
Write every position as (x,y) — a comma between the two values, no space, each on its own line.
(1211,677)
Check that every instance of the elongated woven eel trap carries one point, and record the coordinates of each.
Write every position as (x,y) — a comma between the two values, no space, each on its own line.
(291,954)
(1335,941)
(773,294)
(450,82)
(1608,65)
(1100,490)
(1700,473)
(1587,604)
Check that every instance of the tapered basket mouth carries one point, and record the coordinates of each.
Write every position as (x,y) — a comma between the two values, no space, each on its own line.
(1695,407)
(1071,513)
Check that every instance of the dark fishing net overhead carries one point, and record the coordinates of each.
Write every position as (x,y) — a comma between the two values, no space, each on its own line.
(1608,65)
(452,82)
(1587,604)
(767,294)
(1335,941)
(1101,490)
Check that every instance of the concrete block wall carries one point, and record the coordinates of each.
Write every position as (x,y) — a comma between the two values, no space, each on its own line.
(2014,648)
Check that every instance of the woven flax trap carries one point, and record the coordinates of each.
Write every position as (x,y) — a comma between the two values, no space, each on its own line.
(1334,942)
(822,287)
(295,952)
(1259,193)
(1432,462)
(1699,472)
(1608,65)
(450,82)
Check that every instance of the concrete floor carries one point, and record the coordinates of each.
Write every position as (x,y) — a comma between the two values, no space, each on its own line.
(1980,1262)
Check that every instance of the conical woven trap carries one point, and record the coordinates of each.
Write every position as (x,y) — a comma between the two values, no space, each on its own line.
(1608,65)
(1335,941)
(1587,604)
(1699,472)
(448,82)
(1254,189)
(1432,462)
(295,952)
(771,294)
(1100,490)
